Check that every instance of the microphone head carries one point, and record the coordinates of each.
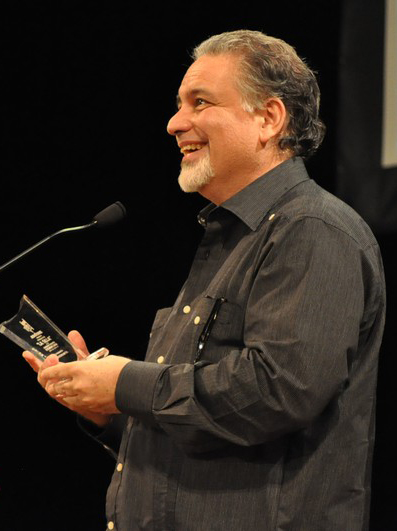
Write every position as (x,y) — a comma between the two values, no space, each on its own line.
(110,215)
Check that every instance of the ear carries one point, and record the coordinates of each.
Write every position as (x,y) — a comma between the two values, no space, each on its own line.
(274,119)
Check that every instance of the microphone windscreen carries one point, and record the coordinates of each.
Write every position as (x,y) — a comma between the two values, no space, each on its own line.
(110,215)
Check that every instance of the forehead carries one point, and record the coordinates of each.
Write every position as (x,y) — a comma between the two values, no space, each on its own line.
(211,73)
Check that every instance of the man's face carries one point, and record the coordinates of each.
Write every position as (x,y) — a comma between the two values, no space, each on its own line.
(219,140)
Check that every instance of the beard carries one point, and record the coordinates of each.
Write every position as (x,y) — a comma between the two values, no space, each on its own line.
(195,175)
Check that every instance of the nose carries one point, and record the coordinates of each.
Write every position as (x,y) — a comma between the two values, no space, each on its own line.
(178,123)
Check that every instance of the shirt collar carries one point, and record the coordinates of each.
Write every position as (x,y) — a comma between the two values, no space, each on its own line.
(254,201)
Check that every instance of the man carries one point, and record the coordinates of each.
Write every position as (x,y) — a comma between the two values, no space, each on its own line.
(254,408)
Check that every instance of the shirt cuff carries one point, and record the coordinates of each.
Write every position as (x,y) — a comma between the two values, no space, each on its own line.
(109,436)
(135,388)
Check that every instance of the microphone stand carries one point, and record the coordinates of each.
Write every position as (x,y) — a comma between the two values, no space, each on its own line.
(108,216)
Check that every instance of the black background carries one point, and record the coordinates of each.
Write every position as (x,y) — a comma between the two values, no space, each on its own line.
(87,89)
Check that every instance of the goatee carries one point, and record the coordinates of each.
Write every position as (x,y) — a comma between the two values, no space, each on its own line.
(195,175)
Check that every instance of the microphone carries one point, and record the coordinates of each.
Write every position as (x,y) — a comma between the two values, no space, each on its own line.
(105,218)
(110,215)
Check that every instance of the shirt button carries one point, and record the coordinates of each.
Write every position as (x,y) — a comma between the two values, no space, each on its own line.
(197,320)
(160,359)
(119,467)
(202,221)
(186,309)
(110,525)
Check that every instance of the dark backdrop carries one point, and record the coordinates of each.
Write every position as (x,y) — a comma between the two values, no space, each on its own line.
(87,89)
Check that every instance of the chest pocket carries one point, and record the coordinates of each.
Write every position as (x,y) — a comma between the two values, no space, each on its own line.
(177,332)
(194,331)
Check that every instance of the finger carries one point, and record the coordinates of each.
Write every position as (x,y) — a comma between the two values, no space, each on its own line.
(56,372)
(73,403)
(63,388)
(50,389)
(50,361)
(77,339)
(32,360)
(55,389)
(61,399)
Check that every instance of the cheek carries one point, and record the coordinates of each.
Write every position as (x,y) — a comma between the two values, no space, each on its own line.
(226,135)
(230,137)
(239,142)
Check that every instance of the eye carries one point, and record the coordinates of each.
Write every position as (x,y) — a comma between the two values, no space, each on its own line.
(199,102)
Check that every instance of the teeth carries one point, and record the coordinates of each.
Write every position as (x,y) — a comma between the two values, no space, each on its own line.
(191,147)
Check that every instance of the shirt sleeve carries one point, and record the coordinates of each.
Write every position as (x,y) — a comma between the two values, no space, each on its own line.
(109,436)
(301,336)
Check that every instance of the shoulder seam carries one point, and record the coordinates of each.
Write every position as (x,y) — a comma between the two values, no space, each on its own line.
(302,217)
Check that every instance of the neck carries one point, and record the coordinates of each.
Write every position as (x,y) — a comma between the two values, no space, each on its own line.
(218,190)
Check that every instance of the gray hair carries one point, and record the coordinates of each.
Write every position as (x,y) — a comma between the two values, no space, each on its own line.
(271,68)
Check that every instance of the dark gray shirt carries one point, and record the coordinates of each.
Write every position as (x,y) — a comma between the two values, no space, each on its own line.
(271,426)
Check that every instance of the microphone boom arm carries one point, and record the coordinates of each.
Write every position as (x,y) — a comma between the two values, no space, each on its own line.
(44,240)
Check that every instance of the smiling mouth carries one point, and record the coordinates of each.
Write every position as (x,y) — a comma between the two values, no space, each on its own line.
(191,148)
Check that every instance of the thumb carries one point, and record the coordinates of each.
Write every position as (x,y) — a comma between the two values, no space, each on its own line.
(78,341)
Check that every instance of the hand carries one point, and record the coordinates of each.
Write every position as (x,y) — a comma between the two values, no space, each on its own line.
(88,386)
(101,419)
